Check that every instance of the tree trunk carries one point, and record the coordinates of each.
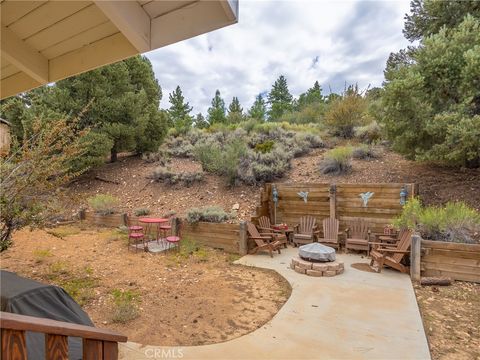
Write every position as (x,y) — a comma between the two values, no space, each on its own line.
(113,154)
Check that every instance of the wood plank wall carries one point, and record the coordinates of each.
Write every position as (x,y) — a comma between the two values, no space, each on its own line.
(219,236)
(456,261)
(346,204)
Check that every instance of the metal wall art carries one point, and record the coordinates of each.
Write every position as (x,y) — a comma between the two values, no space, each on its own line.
(365,197)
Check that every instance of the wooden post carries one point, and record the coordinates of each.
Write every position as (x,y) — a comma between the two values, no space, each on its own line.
(333,201)
(125,219)
(82,214)
(415,258)
(243,240)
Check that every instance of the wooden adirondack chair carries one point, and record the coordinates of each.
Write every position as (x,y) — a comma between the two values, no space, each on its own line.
(392,256)
(264,241)
(265,227)
(358,236)
(330,233)
(305,231)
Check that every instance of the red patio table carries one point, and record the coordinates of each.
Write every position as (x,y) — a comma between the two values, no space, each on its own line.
(149,221)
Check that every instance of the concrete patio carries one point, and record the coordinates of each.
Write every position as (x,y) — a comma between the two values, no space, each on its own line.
(354,315)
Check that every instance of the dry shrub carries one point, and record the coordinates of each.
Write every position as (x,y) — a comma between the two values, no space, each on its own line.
(167,176)
(337,161)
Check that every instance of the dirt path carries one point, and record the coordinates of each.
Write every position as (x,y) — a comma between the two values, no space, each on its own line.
(181,299)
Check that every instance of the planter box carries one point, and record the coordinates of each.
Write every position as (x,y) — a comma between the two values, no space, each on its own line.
(113,220)
(453,260)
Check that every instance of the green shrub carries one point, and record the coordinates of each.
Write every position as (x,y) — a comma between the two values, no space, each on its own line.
(314,141)
(369,133)
(213,214)
(265,147)
(257,168)
(232,154)
(410,214)
(210,157)
(337,161)
(125,305)
(103,204)
(365,152)
(346,113)
(454,222)
(142,212)
(167,176)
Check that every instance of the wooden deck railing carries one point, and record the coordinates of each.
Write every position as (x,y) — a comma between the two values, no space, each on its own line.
(97,343)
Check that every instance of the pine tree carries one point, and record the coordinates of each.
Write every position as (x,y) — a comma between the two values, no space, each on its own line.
(123,101)
(216,113)
(280,99)
(201,122)
(311,96)
(235,111)
(179,109)
(259,109)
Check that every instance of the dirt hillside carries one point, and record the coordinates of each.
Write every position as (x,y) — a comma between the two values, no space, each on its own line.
(129,183)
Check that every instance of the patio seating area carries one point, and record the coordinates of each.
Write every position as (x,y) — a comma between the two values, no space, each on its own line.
(367,313)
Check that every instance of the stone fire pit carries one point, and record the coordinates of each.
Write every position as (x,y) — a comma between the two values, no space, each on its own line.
(317,260)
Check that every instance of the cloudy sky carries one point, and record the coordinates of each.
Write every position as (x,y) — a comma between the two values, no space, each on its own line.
(330,41)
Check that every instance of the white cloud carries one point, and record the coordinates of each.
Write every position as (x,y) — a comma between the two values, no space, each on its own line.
(352,40)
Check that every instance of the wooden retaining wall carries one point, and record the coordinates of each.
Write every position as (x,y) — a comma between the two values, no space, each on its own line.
(341,201)
(453,260)
(219,236)
(222,236)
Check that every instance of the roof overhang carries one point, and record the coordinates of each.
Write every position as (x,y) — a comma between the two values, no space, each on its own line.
(46,41)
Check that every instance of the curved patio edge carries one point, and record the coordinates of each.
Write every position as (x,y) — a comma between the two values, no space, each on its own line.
(356,314)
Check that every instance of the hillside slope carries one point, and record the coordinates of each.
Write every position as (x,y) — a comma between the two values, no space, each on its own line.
(129,183)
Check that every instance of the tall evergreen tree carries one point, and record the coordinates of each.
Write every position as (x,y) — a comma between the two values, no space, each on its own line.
(216,112)
(259,109)
(201,122)
(311,96)
(123,101)
(235,111)
(280,99)
(429,16)
(179,109)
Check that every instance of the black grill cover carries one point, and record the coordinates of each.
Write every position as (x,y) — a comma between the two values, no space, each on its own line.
(23,296)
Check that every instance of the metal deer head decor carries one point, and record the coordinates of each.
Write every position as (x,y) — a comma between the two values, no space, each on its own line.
(303,195)
(365,197)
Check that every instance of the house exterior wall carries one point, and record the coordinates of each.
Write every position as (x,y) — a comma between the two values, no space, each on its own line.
(5,139)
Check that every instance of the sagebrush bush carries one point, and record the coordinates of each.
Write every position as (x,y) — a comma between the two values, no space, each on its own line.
(314,141)
(103,204)
(369,133)
(232,154)
(257,168)
(337,161)
(365,152)
(142,212)
(454,222)
(213,214)
(167,176)
(125,306)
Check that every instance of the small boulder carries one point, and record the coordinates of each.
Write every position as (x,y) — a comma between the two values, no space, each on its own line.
(236,206)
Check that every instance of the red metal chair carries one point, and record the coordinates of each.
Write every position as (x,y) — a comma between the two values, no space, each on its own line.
(174,240)
(165,228)
(133,227)
(135,235)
